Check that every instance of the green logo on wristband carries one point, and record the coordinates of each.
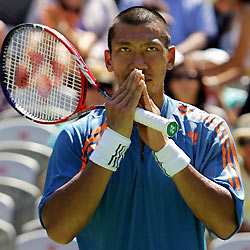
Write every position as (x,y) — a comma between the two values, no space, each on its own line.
(172,129)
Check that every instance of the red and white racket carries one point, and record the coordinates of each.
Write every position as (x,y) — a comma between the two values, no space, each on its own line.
(45,79)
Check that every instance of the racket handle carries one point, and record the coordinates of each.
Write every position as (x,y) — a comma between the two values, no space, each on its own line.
(149,119)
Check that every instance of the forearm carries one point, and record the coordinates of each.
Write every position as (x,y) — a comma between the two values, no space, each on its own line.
(210,202)
(195,41)
(226,77)
(218,69)
(70,208)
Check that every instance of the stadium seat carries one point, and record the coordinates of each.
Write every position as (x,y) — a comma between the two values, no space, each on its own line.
(36,215)
(19,166)
(23,129)
(7,236)
(37,151)
(38,240)
(8,114)
(24,195)
(240,241)
(7,207)
(31,226)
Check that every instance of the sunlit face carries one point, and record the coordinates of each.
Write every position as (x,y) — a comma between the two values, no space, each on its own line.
(71,10)
(225,6)
(142,47)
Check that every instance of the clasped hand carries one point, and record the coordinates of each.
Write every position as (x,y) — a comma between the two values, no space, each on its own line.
(120,110)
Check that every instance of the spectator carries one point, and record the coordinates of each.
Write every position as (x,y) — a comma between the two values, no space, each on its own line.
(224,21)
(78,21)
(184,83)
(239,63)
(242,139)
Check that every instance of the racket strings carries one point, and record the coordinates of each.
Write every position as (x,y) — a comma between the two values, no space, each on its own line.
(42,75)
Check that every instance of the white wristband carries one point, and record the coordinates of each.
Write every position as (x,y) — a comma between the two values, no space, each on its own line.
(171,158)
(110,150)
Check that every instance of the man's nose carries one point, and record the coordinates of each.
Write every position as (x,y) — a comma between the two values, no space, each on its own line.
(139,62)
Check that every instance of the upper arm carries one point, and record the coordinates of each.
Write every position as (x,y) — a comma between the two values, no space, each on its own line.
(243,45)
(221,164)
(65,162)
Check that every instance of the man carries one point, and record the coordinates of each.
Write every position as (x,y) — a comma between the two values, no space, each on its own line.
(164,191)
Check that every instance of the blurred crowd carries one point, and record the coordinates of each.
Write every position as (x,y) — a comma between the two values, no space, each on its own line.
(212,64)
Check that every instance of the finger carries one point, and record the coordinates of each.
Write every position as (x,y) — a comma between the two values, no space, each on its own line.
(128,87)
(124,86)
(146,100)
(135,95)
(118,98)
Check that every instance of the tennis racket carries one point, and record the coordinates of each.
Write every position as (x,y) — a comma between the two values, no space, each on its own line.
(45,79)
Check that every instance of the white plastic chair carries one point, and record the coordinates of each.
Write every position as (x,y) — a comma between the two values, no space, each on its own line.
(9,113)
(39,240)
(37,151)
(240,241)
(24,195)
(19,166)
(7,236)
(32,226)
(25,130)
(7,207)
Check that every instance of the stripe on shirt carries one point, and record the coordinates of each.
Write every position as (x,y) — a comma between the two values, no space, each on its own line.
(228,147)
(92,142)
(227,144)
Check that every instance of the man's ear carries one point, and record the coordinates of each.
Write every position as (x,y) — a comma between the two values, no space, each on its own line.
(171,57)
(108,63)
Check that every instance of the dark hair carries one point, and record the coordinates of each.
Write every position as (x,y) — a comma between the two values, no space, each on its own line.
(201,96)
(245,1)
(243,141)
(139,15)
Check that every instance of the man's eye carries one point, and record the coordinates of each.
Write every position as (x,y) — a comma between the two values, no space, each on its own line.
(125,49)
(151,49)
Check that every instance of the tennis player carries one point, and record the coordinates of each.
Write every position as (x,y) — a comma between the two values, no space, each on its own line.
(114,184)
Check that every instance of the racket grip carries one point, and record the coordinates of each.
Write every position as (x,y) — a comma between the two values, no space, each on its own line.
(149,119)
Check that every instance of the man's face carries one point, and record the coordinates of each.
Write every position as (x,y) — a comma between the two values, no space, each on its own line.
(142,47)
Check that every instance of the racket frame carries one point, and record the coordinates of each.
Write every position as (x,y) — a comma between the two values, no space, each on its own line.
(84,72)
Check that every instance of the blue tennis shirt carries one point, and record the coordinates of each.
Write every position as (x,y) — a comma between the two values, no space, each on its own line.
(141,207)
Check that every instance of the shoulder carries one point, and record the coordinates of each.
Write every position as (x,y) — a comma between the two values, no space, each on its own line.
(192,118)
(86,124)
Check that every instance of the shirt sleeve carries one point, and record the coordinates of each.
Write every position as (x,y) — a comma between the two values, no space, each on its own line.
(219,161)
(65,162)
